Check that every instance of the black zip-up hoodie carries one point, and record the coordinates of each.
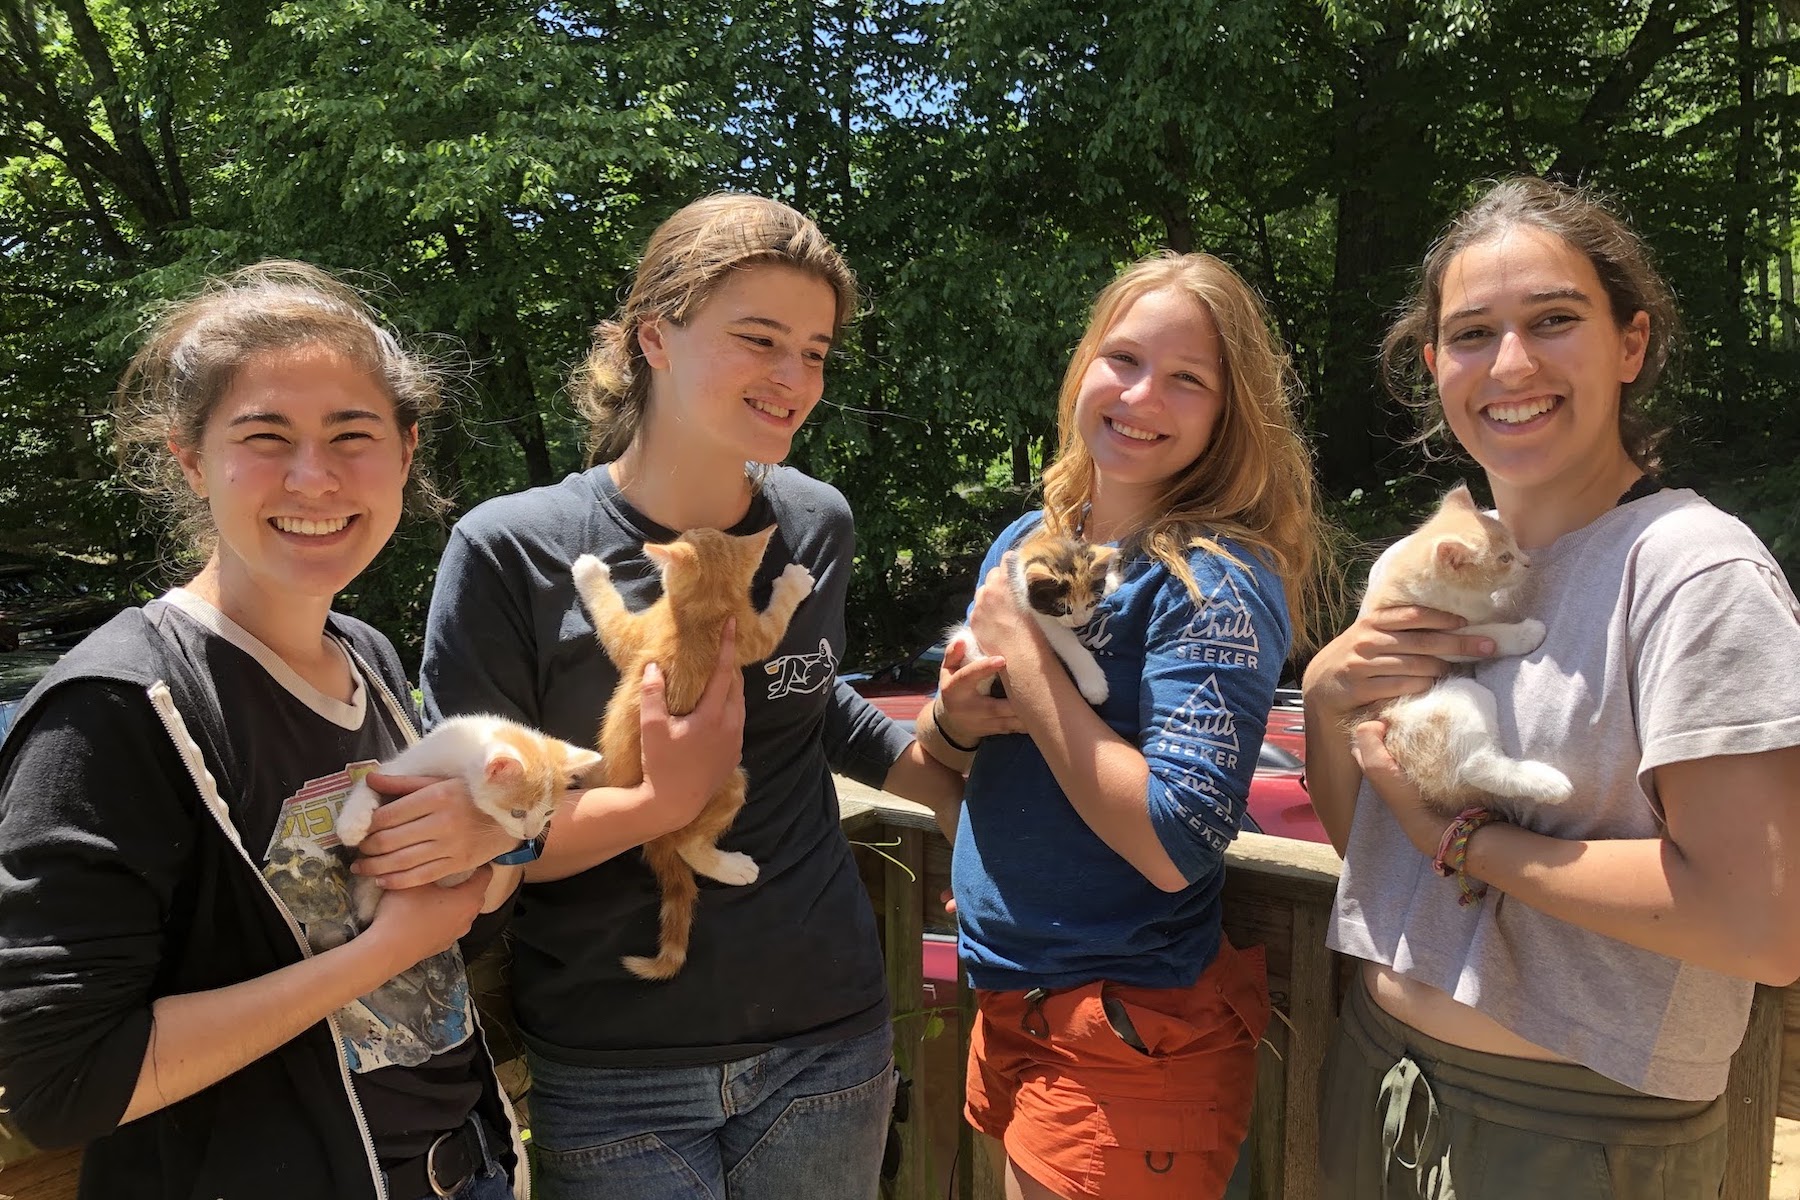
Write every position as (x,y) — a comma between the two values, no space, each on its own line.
(286,1125)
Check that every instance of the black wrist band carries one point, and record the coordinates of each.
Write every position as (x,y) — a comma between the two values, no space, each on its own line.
(937,720)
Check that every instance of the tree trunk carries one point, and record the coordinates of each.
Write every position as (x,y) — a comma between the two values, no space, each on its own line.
(1383,220)
(1784,220)
(1739,222)
(524,420)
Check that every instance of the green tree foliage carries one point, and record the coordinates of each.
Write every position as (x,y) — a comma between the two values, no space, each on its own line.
(490,167)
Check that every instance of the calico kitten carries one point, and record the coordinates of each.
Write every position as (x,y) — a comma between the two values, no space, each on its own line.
(1465,562)
(1059,581)
(706,578)
(514,774)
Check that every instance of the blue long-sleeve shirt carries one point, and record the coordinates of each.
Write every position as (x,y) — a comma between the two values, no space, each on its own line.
(1041,900)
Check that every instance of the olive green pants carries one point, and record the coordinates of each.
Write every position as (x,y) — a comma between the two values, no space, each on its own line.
(1407,1117)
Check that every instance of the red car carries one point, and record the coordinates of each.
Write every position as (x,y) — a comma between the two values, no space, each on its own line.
(1278,802)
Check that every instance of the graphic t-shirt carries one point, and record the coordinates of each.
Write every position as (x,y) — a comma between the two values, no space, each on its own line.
(409,1042)
(790,959)
(1041,900)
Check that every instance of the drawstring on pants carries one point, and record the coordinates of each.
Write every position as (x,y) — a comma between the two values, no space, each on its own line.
(1422,1132)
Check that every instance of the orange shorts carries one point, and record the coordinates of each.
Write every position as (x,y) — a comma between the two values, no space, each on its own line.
(1079,1108)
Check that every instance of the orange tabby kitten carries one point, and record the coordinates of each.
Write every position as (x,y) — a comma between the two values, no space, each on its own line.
(1058,580)
(1462,561)
(706,577)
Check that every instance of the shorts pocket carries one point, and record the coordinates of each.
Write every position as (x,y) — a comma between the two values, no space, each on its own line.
(1226,1010)
(1160,1126)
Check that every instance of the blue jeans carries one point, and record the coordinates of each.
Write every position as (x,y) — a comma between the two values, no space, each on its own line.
(491,1182)
(791,1123)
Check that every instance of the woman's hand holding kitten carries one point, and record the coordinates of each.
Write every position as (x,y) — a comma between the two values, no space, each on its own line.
(1386,654)
(413,923)
(687,758)
(1003,628)
(1423,827)
(432,831)
(971,715)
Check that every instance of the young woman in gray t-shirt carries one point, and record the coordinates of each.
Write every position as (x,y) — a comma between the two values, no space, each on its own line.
(1574,1022)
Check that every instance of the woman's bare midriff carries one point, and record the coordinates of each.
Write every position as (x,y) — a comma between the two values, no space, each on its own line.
(1434,1014)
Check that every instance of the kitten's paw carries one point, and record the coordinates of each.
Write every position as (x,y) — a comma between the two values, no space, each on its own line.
(733,868)
(1527,636)
(795,579)
(590,573)
(365,894)
(1542,783)
(1094,691)
(354,817)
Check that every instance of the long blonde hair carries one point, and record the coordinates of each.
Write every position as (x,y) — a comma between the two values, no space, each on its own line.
(687,259)
(1253,483)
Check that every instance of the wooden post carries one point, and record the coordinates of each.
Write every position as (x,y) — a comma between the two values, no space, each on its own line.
(904,913)
(1751,1092)
(1312,1000)
(978,1175)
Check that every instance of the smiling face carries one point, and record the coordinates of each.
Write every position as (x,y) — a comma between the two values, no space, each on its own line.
(1151,398)
(1529,363)
(303,468)
(740,376)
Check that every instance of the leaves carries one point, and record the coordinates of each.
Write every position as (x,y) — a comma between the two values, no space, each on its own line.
(490,168)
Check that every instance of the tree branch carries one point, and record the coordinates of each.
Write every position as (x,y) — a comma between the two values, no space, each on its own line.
(1655,40)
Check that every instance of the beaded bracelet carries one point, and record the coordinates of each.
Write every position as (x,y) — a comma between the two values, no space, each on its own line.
(1453,852)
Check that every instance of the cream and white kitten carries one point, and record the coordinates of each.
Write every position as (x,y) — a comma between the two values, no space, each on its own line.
(1465,562)
(1059,581)
(514,774)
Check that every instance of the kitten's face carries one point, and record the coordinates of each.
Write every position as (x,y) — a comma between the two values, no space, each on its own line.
(705,564)
(525,775)
(1065,579)
(1470,548)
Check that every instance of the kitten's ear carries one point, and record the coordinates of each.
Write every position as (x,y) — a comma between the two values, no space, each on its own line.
(666,554)
(1103,555)
(1453,553)
(1459,497)
(760,541)
(579,760)
(1037,572)
(503,764)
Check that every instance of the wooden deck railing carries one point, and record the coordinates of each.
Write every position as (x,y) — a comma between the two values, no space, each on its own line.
(1277,895)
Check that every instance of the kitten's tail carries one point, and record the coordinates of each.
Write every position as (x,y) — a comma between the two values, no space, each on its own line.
(1517,778)
(680,894)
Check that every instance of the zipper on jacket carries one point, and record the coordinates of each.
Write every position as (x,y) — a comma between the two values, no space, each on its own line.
(521,1175)
(208,787)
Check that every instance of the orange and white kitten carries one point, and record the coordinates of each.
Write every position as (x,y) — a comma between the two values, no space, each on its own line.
(1058,580)
(706,578)
(514,774)
(1465,562)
